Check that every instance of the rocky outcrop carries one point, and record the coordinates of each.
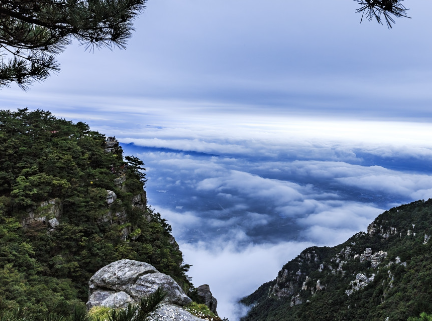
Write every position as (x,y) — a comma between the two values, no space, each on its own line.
(209,300)
(127,281)
(111,197)
(119,182)
(53,223)
(110,144)
(319,286)
(296,300)
(294,284)
(139,200)
(46,213)
(359,283)
(375,258)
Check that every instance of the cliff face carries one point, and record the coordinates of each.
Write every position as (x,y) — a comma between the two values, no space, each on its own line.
(383,273)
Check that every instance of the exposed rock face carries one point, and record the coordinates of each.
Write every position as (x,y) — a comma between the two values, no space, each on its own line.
(47,213)
(174,243)
(371,229)
(127,281)
(319,286)
(53,223)
(139,200)
(110,144)
(119,181)
(296,300)
(111,197)
(281,292)
(375,258)
(208,298)
(359,283)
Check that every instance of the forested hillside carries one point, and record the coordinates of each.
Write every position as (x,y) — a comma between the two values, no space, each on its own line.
(384,274)
(70,203)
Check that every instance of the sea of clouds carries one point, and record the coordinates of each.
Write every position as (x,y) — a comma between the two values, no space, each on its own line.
(246,192)
(244,199)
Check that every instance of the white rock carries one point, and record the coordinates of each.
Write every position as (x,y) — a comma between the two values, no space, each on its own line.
(111,197)
(53,223)
(127,281)
(120,273)
(172,313)
(117,300)
(149,283)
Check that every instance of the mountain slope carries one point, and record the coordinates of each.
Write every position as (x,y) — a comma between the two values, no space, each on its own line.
(70,203)
(384,273)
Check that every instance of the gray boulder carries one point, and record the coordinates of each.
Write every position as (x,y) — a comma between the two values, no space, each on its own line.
(172,313)
(149,283)
(117,300)
(127,281)
(205,294)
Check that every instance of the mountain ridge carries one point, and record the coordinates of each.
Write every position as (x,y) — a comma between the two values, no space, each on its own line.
(381,274)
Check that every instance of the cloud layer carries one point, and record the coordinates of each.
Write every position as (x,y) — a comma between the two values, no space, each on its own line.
(241,207)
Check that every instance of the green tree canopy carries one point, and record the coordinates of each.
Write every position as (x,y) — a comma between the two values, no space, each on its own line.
(53,168)
(33,32)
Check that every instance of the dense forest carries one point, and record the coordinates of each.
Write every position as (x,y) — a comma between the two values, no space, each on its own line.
(384,274)
(70,203)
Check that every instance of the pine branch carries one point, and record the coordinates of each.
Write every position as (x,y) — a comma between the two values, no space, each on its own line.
(376,9)
(44,28)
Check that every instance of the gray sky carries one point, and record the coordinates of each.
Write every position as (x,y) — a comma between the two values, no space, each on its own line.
(310,58)
(266,127)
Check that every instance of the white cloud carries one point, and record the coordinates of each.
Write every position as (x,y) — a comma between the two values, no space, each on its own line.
(329,226)
(320,235)
(233,273)
(253,186)
(387,181)
(300,138)
(179,220)
(301,208)
(321,196)
(195,145)
(422,194)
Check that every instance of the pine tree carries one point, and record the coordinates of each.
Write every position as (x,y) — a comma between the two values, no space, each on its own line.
(382,10)
(33,32)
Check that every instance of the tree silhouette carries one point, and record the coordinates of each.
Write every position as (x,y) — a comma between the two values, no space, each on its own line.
(382,10)
(33,32)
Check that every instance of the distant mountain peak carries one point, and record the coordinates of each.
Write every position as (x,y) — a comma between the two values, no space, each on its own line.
(383,273)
